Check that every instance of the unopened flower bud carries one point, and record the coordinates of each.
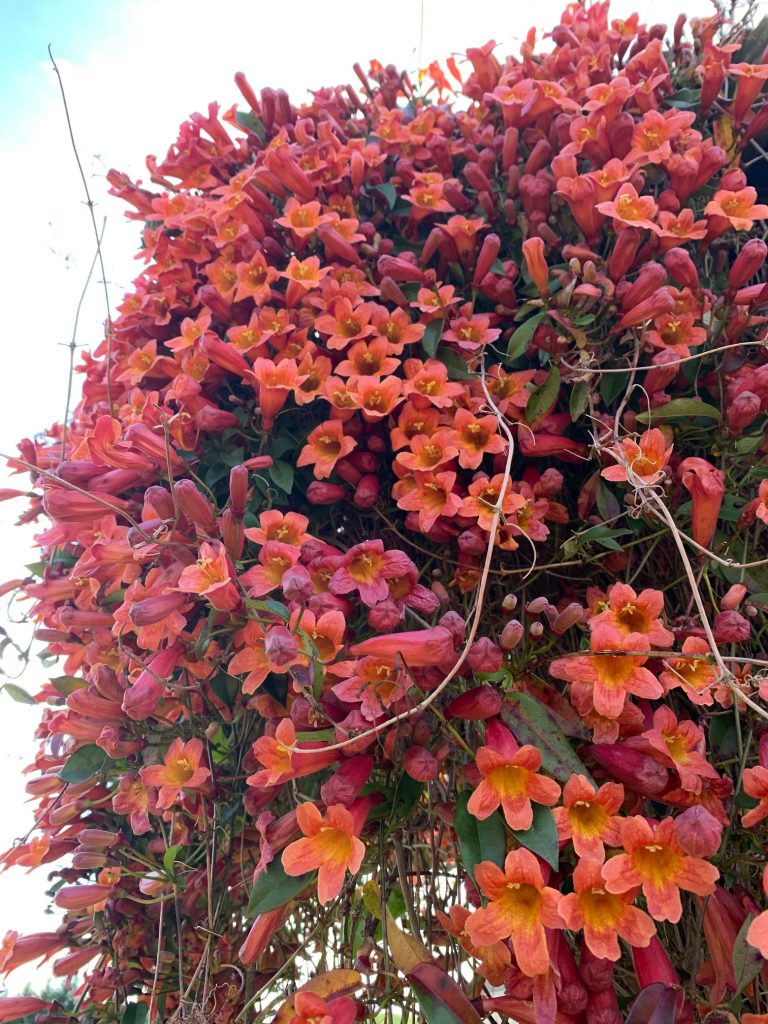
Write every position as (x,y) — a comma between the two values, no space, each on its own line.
(320,492)
(509,603)
(485,656)
(511,635)
(367,491)
(536,629)
(538,606)
(634,769)
(733,597)
(747,263)
(699,832)
(297,584)
(421,764)
(280,645)
(569,616)
(475,705)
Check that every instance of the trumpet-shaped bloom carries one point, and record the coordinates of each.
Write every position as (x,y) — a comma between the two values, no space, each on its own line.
(645,459)
(496,958)
(629,612)
(694,675)
(737,208)
(521,906)
(588,817)
(604,917)
(707,487)
(330,844)
(679,745)
(654,860)
(326,444)
(212,576)
(510,779)
(365,568)
(181,769)
(755,784)
(605,677)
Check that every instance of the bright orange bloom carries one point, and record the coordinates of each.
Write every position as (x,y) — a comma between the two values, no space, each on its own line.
(761,510)
(376,683)
(604,680)
(426,453)
(737,208)
(366,567)
(281,763)
(212,576)
(311,1009)
(136,800)
(510,779)
(483,496)
(305,273)
(706,484)
(302,218)
(286,527)
(326,444)
(427,383)
(645,459)
(509,390)
(395,327)
(139,363)
(274,383)
(605,917)
(654,859)
(520,908)
(588,817)
(252,657)
(368,359)
(376,397)
(755,783)
(694,675)
(496,958)
(476,437)
(629,612)
(345,323)
(331,845)
(275,559)
(326,631)
(254,280)
(431,496)
(629,209)
(679,745)
(181,769)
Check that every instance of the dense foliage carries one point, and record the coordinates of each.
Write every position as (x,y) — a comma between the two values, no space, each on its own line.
(405,557)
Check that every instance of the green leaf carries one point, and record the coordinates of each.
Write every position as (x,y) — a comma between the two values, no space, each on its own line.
(281,474)
(680,409)
(169,858)
(543,397)
(67,684)
(530,722)
(578,400)
(251,123)
(685,99)
(386,189)
(84,764)
(457,367)
(748,444)
(135,1013)
(478,840)
(274,889)
(19,694)
(747,962)
(518,343)
(612,385)
(432,336)
(267,605)
(541,837)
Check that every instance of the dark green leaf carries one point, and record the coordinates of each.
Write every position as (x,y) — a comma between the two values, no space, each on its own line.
(253,124)
(607,504)
(578,400)
(432,336)
(543,397)
(226,688)
(685,99)
(274,889)
(84,764)
(747,962)
(19,694)
(612,385)
(388,191)
(135,1013)
(67,684)
(478,840)
(281,474)
(680,409)
(541,837)
(530,722)
(748,444)
(518,343)
(267,605)
(457,367)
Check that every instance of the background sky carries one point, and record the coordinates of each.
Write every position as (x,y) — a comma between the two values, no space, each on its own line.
(133,70)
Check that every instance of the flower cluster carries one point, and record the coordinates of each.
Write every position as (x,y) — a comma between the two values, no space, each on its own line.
(403,557)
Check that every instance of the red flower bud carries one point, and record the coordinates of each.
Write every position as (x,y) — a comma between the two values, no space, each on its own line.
(154,609)
(511,635)
(485,656)
(624,764)
(400,269)
(682,269)
(81,897)
(238,489)
(297,584)
(421,764)
(367,491)
(699,832)
(476,705)
(750,259)
(321,493)
(733,597)
(596,972)
(533,253)
(603,1008)
(653,965)
(743,410)
(194,505)
(280,646)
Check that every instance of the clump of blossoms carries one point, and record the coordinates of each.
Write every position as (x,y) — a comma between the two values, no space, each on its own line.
(404,559)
